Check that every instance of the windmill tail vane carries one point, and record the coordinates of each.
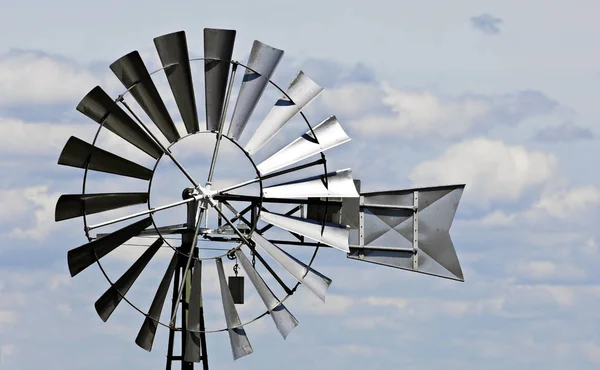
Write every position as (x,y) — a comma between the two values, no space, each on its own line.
(297,199)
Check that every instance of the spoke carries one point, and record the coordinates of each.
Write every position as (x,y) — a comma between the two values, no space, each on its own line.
(164,149)
(237,186)
(221,124)
(196,197)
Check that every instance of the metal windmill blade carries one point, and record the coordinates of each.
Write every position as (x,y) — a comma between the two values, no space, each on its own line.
(297,199)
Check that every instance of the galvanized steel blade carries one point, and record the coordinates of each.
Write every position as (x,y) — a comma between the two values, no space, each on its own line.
(193,352)
(75,205)
(147,332)
(339,184)
(284,320)
(302,91)
(174,56)
(307,276)
(78,153)
(333,235)
(329,134)
(133,74)
(82,257)
(240,345)
(264,60)
(218,49)
(108,302)
(101,108)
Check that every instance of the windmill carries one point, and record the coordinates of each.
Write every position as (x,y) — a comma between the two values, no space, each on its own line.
(298,201)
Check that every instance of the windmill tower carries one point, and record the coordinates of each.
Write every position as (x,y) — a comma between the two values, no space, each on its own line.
(298,202)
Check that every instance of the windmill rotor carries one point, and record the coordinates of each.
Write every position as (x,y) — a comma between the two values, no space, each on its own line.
(296,196)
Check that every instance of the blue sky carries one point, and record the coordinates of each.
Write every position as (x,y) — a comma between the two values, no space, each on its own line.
(500,95)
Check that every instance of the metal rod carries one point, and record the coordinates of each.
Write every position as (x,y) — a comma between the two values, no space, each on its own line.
(388,206)
(164,149)
(303,166)
(161,208)
(221,123)
(238,185)
(251,198)
(378,248)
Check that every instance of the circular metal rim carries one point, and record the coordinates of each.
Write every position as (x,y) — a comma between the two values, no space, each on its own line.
(84,217)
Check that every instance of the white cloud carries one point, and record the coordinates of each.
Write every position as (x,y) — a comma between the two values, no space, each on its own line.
(36,202)
(7,318)
(38,139)
(28,77)
(491,169)
(566,203)
(423,114)
(352,100)
(542,270)
(6,350)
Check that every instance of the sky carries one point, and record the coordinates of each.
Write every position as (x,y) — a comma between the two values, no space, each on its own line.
(498,95)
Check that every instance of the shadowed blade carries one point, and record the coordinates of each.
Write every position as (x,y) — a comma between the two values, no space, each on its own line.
(131,71)
(145,337)
(333,235)
(218,46)
(82,257)
(339,184)
(75,205)
(301,92)
(283,319)
(240,346)
(108,302)
(174,56)
(193,352)
(307,276)
(98,106)
(78,153)
(329,134)
(263,59)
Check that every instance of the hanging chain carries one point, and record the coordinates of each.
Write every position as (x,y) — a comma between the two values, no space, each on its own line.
(236,267)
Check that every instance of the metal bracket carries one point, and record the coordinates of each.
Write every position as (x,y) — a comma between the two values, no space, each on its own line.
(361,227)
(416,230)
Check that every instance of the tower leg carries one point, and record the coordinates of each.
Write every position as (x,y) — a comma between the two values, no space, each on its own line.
(186,244)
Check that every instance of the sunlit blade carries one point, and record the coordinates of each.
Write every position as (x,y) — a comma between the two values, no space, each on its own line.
(283,319)
(333,235)
(237,335)
(147,332)
(193,352)
(75,205)
(307,276)
(101,108)
(78,153)
(301,91)
(174,56)
(82,257)
(263,59)
(329,134)
(218,49)
(131,71)
(339,184)
(109,301)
